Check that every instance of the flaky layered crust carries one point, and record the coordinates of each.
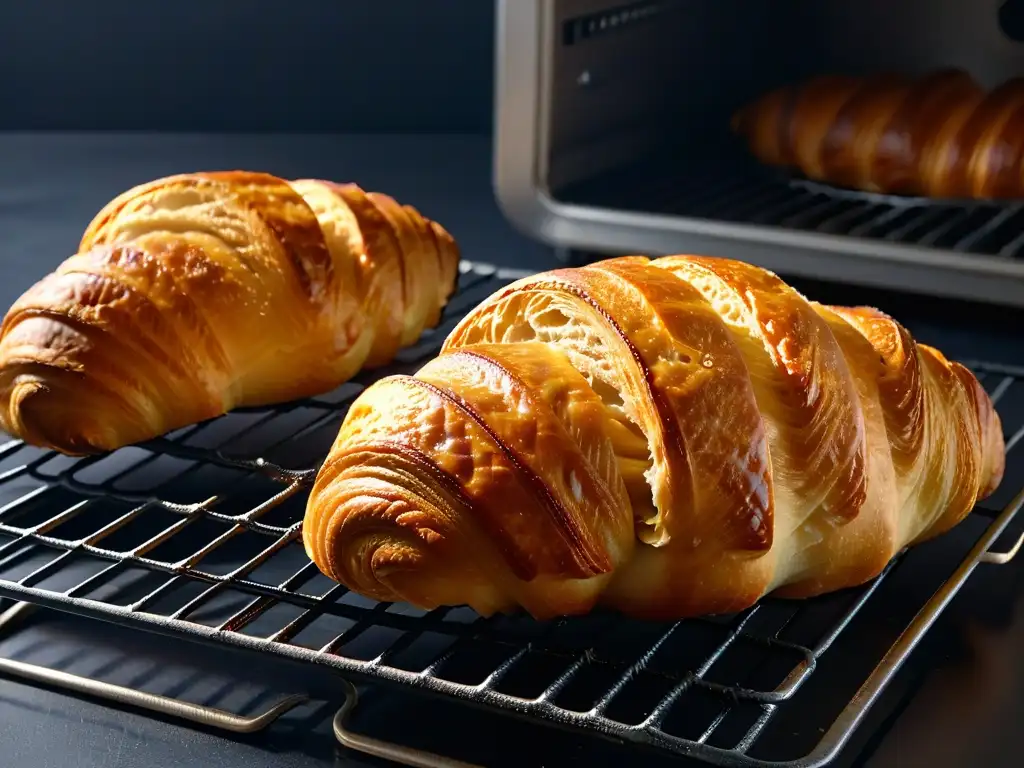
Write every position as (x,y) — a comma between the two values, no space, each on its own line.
(941,136)
(669,438)
(195,294)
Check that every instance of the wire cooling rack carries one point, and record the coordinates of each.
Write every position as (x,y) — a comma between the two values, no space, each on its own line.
(197,535)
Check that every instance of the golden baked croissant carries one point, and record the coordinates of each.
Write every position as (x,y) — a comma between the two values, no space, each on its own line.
(942,136)
(195,294)
(668,438)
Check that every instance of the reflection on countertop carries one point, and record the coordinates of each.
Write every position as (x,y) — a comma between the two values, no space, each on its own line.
(968,711)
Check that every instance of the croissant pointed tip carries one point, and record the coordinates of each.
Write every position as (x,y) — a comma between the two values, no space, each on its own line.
(32,415)
(22,394)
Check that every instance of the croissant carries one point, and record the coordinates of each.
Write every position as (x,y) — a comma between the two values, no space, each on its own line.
(940,136)
(195,294)
(665,438)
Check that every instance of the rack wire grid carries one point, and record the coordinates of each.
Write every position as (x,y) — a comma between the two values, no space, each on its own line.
(197,535)
(728,185)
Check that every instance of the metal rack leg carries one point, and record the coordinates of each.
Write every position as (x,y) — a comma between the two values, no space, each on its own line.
(1002,558)
(370,746)
(196,713)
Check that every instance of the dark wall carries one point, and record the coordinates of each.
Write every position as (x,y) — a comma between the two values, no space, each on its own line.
(310,65)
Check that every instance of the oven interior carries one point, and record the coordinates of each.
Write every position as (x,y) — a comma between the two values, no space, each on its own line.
(624,130)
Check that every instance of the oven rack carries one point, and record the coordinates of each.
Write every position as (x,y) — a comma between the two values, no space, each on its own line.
(729,186)
(197,535)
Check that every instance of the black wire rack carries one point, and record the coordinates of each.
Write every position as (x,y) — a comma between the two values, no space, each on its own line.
(197,535)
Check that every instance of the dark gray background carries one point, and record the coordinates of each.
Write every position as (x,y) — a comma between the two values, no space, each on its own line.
(232,65)
(90,74)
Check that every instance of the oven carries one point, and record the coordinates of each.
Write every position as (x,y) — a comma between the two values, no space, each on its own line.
(613,136)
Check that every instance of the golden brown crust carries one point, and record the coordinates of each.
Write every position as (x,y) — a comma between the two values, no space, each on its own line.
(682,373)
(757,441)
(809,387)
(941,135)
(536,508)
(197,293)
(899,386)
(382,271)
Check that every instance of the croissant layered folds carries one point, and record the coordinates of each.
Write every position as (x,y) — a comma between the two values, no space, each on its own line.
(195,294)
(942,135)
(665,437)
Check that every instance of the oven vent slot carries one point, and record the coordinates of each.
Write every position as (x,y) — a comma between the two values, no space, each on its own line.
(619,19)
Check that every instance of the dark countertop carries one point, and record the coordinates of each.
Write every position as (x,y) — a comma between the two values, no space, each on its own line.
(956,703)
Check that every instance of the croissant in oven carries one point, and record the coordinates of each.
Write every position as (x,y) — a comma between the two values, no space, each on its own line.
(940,136)
(195,294)
(668,438)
